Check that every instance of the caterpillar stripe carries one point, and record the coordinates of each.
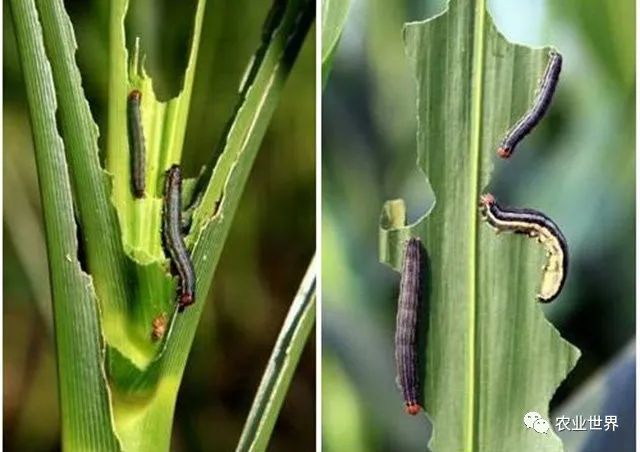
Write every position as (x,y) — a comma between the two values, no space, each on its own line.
(173,240)
(535,224)
(406,325)
(541,104)
(136,140)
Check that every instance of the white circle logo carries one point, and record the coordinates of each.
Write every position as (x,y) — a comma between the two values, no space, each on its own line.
(541,425)
(530,418)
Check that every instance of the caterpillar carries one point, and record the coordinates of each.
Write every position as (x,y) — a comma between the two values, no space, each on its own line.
(534,224)
(541,104)
(406,325)
(173,240)
(136,139)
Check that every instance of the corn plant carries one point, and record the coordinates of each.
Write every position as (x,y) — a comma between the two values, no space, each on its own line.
(121,342)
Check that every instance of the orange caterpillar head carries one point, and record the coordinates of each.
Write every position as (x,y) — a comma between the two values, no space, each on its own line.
(412,408)
(185,300)
(505,153)
(487,199)
(135,95)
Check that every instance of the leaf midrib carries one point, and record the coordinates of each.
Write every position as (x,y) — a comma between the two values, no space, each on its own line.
(477,70)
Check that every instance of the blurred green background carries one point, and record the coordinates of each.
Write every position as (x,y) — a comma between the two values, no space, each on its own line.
(578,167)
(264,259)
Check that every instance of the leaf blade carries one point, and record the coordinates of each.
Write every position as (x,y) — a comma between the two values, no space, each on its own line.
(281,366)
(472,84)
(84,399)
(106,260)
(215,217)
(334,18)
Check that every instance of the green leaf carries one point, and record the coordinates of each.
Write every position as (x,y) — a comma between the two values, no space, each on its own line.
(151,295)
(105,258)
(262,87)
(164,125)
(145,397)
(84,399)
(334,17)
(114,379)
(489,355)
(282,35)
(282,364)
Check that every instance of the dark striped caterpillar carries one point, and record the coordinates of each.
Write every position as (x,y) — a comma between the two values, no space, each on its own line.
(173,240)
(539,108)
(534,224)
(136,140)
(406,325)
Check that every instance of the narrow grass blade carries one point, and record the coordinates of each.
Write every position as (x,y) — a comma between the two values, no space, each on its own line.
(282,364)
(106,260)
(283,37)
(334,17)
(84,399)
